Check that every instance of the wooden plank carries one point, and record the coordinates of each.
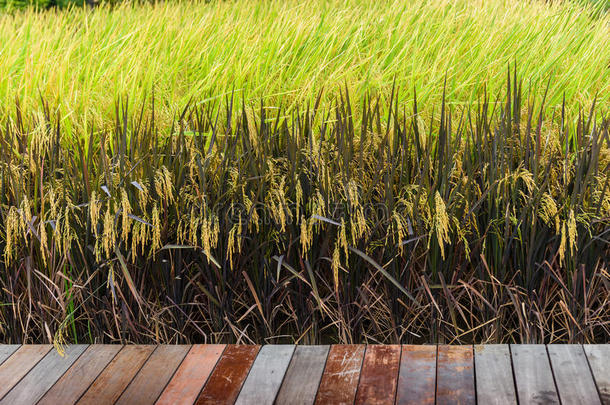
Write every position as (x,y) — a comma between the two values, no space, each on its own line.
(455,375)
(417,375)
(109,385)
(340,378)
(379,375)
(19,364)
(189,379)
(226,380)
(303,376)
(533,375)
(154,375)
(42,377)
(266,375)
(69,388)
(494,373)
(599,361)
(6,351)
(572,375)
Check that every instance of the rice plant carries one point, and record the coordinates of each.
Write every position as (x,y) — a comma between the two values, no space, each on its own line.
(288,51)
(488,222)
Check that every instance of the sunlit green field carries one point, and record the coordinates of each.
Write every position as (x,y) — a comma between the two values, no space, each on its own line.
(82,60)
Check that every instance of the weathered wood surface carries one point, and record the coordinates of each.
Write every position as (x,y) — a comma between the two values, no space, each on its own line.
(6,351)
(572,375)
(417,375)
(230,373)
(192,375)
(42,376)
(305,375)
(109,385)
(69,388)
(154,375)
(455,375)
(494,371)
(599,361)
(266,375)
(379,375)
(19,364)
(533,375)
(341,374)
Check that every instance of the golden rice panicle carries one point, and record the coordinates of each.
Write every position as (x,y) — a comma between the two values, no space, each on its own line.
(305,236)
(12,226)
(156,231)
(109,233)
(441,223)
(336,263)
(95,206)
(125,219)
(164,186)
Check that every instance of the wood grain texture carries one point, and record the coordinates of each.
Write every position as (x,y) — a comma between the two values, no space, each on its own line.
(533,375)
(379,375)
(19,364)
(494,372)
(573,375)
(599,361)
(266,375)
(69,388)
(189,379)
(226,380)
(340,378)
(417,375)
(303,376)
(6,351)
(154,375)
(455,375)
(111,383)
(42,376)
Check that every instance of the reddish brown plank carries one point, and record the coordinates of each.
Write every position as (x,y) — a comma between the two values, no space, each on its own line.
(455,375)
(154,375)
(189,379)
(109,385)
(80,375)
(227,378)
(340,378)
(379,375)
(19,364)
(417,376)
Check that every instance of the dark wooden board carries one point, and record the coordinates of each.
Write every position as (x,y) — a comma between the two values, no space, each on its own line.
(69,388)
(340,378)
(455,375)
(154,375)
(109,385)
(417,375)
(494,374)
(226,380)
(599,361)
(189,379)
(19,364)
(533,375)
(266,375)
(6,351)
(573,375)
(42,376)
(303,376)
(379,375)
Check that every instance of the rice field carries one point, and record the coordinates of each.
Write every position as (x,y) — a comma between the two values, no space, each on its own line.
(309,172)
(285,52)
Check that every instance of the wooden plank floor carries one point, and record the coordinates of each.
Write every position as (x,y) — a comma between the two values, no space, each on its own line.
(289,374)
